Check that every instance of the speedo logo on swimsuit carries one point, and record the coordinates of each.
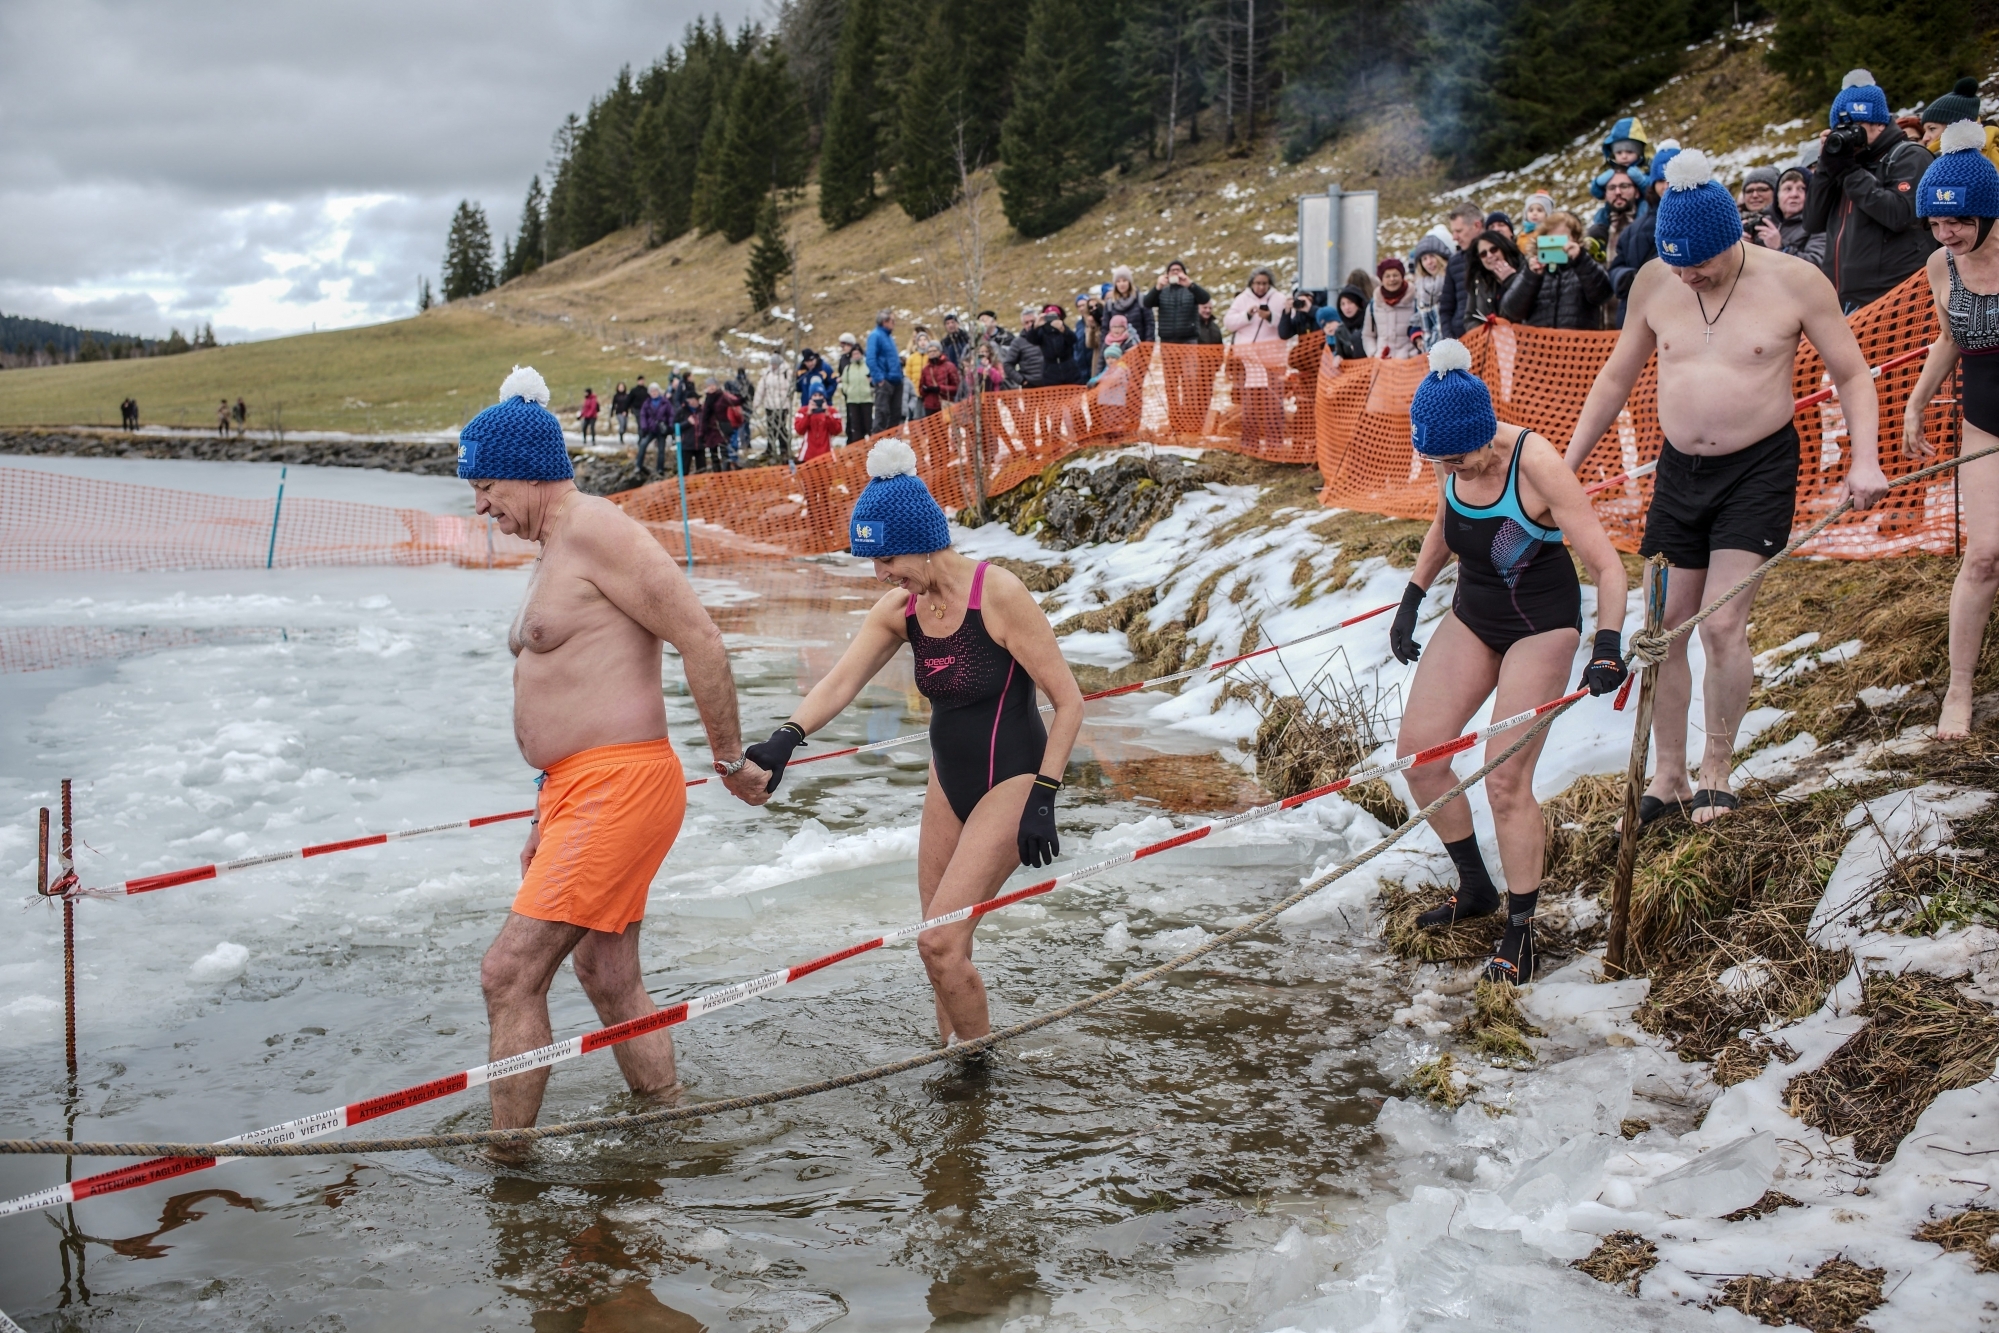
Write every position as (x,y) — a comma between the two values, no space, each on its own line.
(1943,194)
(936,664)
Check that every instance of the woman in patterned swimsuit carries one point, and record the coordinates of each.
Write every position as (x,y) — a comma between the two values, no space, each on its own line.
(1512,629)
(982,645)
(1960,197)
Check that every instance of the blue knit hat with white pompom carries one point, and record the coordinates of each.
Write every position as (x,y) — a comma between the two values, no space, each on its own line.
(1861,98)
(1962,182)
(517,440)
(1697,217)
(1451,414)
(896,514)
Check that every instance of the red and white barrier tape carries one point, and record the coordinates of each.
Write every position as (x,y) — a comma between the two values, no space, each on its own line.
(1809,400)
(197,874)
(322,1123)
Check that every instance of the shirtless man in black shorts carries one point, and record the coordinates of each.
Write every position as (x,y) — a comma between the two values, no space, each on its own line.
(1725,319)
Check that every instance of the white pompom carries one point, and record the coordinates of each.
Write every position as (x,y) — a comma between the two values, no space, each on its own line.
(1856,78)
(1689,171)
(1449,355)
(525,382)
(1665,145)
(1964,136)
(892,458)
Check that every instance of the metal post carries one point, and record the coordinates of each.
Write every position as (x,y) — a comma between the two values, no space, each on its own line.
(1634,780)
(68,933)
(680,474)
(271,553)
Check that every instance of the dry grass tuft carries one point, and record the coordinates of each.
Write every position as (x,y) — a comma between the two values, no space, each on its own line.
(1831,1300)
(1631,1126)
(1763,1207)
(1037,577)
(1437,1081)
(1496,1027)
(1922,1038)
(1362,537)
(1743,1058)
(1467,941)
(1620,1259)
(1969,1232)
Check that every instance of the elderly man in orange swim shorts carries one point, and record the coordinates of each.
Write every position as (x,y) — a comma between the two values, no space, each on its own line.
(589,712)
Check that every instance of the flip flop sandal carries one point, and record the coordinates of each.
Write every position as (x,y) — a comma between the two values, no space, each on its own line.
(1707,798)
(1651,810)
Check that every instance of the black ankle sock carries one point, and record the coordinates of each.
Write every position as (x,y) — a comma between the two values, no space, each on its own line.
(1516,946)
(1475,884)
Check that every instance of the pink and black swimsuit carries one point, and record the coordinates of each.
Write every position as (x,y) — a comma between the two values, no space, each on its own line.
(984,724)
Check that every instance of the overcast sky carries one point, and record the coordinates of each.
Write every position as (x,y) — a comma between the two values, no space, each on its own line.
(277,166)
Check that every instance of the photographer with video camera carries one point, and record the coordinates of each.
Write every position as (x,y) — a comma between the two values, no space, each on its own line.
(1863,196)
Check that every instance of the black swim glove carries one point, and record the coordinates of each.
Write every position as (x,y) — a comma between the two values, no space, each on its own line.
(772,755)
(1038,843)
(1606,670)
(1402,634)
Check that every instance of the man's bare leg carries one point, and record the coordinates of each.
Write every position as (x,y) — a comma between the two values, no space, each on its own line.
(607,965)
(1731,672)
(515,977)
(1674,693)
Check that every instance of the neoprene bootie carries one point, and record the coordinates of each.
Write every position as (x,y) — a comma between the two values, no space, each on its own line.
(1477,895)
(1514,959)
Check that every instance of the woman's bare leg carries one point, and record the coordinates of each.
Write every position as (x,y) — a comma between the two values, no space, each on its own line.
(1534,671)
(1453,677)
(934,848)
(984,855)
(1977,581)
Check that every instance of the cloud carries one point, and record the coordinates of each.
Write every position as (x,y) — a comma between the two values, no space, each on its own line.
(274,167)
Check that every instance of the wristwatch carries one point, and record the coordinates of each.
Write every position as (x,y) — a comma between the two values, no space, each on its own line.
(733,767)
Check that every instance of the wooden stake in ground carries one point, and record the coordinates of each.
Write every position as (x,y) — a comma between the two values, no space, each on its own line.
(1634,779)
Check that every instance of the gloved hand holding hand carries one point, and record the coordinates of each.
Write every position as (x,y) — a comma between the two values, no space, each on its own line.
(1606,670)
(773,754)
(1037,840)
(1402,634)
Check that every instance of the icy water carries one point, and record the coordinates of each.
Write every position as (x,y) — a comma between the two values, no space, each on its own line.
(1125,1170)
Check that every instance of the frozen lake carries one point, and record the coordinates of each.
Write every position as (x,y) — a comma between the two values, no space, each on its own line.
(1129,1170)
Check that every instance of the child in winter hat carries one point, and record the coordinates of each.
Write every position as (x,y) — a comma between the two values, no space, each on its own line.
(1697,217)
(517,440)
(1961,183)
(1451,414)
(896,514)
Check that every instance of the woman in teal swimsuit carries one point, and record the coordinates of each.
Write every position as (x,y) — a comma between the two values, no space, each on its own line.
(1508,504)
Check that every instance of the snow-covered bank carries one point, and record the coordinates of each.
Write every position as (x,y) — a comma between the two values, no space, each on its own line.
(1610,1133)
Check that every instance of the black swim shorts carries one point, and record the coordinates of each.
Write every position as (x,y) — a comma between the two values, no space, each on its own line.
(1742,501)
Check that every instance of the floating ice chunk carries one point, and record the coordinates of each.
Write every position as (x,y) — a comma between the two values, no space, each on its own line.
(1174,941)
(1596,1008)
(1411,1127)
(1423,1219)
(1717,1182)
(1567,1173)
(1118,938)
(222,962)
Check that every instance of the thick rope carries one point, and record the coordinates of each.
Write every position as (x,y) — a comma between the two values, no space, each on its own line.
(674,1114)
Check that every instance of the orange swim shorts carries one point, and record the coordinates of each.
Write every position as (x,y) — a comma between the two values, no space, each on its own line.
(608,818)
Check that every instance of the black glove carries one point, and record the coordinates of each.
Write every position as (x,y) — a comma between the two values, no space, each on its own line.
(1402,634)
(1606,670)
(1037,840)
(772,755)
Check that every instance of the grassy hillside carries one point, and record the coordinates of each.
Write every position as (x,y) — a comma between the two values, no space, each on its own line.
(617,308)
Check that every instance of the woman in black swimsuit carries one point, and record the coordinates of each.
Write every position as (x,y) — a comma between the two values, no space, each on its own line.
(1960,197)
(982,645)
(1507,501)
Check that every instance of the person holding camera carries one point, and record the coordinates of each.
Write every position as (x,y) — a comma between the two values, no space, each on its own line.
(1177,298)
(1058,346)
(1863,197)
(1783,227)
(1561,286)
(1257,365)
(1959,199)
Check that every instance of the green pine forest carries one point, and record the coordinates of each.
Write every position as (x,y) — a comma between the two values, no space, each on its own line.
(891,100)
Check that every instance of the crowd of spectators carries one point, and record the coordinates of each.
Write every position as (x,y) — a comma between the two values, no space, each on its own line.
(1844,203)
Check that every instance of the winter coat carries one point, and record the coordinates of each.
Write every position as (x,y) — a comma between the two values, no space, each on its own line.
(819,379)
(854,381)
(818,428)
(1798,240)
(1636,248)
(711,423)
(1873,237)
(589,412)
(1243,326)
(939,383)
(1344,335)
(1058,355)
(1134,310)
(1207,332)
(1179,311)
(955,346)
(654,413)
(621,402)
(884,362)
(1485,295)
(1024,363)
(1454,300)
(1392,330)
(773,391)
(1560,296)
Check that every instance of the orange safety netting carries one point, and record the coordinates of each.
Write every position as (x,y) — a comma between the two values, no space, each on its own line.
(50,521)
(1540,377)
